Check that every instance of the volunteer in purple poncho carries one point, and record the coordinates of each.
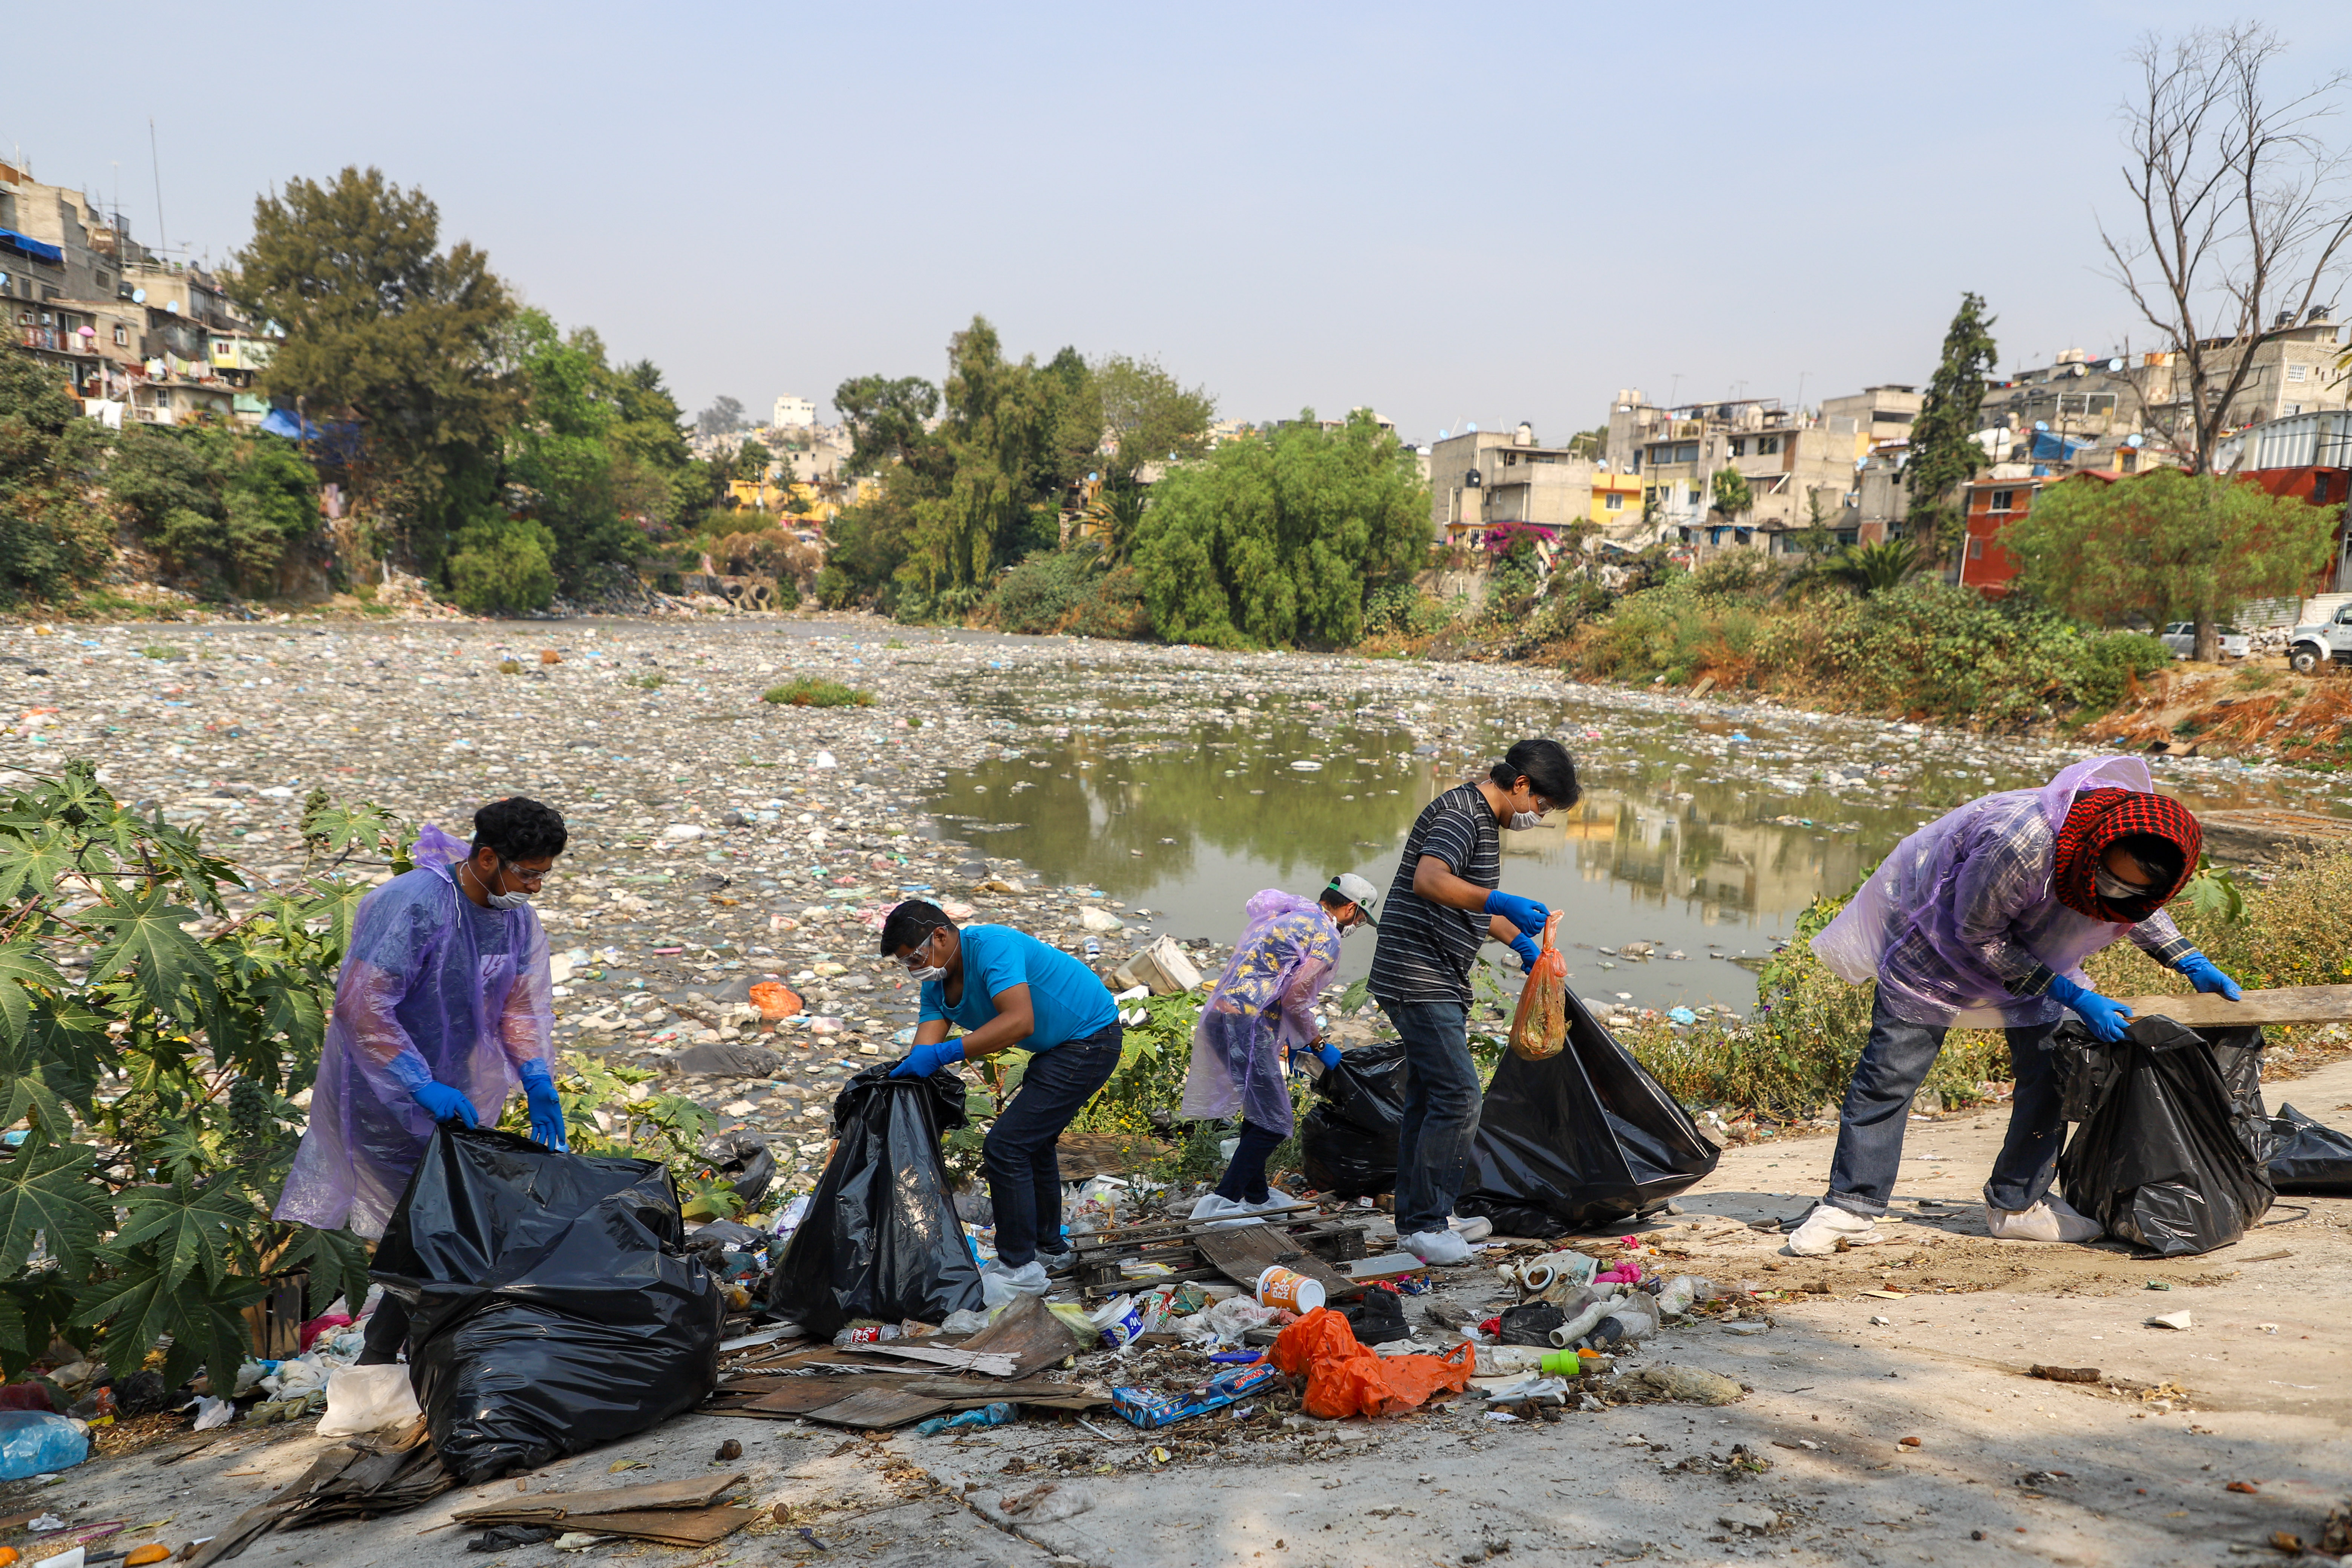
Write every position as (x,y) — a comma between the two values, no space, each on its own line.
(1982,918)
(1262,1011)
(444,1005)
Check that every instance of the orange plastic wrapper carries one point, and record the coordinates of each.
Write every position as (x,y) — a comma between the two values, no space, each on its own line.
(1344,1379)
(775,1000)
(1540,1029)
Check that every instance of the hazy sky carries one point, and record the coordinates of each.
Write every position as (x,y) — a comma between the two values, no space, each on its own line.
(1448,213)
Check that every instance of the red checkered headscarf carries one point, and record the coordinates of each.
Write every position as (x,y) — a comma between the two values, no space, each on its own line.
(2099,817)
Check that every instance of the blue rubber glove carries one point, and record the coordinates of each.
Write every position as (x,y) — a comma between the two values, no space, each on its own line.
(2202,975)
(1525,946)
(444,1104)
(546,1109)
(1524,913)
(925,1060)
(1327,1053)
(2107,1020)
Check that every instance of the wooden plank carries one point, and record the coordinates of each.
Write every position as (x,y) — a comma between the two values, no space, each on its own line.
(879,1409)
(956,1359)
(694,1491)
(1247,1251)
(806,1394)
(1033,1336)
(2281,1005)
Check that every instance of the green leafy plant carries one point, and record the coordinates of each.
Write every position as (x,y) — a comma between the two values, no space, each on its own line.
(651,680)
(2215,894)
(815,691)
(610,1108)
(149,1034)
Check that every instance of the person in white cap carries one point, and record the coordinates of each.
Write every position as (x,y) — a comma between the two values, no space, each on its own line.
(1262,1013)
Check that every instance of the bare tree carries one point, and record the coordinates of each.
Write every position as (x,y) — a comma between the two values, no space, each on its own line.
(2240,224)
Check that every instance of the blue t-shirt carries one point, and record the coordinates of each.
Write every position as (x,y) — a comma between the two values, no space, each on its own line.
(1067,998)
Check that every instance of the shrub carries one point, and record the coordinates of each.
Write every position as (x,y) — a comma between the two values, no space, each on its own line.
(1113,609)
(503,566)
(833,589)
(814,691)
(1043,591)
(220,506)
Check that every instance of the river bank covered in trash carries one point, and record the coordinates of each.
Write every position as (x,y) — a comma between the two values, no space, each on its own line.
(1109,793)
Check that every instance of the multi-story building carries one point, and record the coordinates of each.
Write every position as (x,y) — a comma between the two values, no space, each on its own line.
(1794,464)
(794,413)
(1482,478)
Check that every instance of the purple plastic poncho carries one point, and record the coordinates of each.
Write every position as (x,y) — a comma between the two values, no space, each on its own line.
(1963,912)
(1262,1005)
(434,987)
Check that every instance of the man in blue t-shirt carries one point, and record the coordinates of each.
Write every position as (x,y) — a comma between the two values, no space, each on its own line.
(1005,988)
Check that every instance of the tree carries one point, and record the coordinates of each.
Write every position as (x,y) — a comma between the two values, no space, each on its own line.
(52,537)
(1279,541)
(561,456)
(752,460)
(723,417)
(1147,415)
(1732,494)
(886,419)
(2237,223)
(2165,545)
(1592,442)
(1874,568)
(1944,450)
(221,506)
(993,435)
(385,328)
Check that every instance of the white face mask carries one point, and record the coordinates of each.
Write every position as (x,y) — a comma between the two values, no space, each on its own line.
(497,900)
(1523,820)
(2114,889)
(929,972)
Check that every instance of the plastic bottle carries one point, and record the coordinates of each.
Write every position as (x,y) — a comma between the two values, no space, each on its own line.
(1633,1317)
(35,1442)
(1682,1292)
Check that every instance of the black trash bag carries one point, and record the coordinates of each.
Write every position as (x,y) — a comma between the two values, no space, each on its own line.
(1580,1140)
(553,1304)
(2170,1157)
(881,1239)
(2307,1158)
(744,1159)
(1530,1324)
(1348,1139)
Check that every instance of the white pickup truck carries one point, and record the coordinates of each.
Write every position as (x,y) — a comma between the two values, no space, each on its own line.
(2309,646)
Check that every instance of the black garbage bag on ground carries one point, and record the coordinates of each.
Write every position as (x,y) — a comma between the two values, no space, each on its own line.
(1348,1139)
(1583,1139)
(2307,1158)
(1377,1317)
(2170,1154)
(743,1157)
(881,1239)
(552,1304)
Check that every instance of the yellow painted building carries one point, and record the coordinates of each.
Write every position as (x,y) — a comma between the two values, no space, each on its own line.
(1616,499)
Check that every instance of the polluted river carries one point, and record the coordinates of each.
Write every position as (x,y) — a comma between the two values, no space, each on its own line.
(1097,792)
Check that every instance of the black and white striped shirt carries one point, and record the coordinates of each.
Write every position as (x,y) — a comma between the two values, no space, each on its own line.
(1426,949)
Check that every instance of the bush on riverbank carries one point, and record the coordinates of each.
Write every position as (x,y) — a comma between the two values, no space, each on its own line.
(1066,591)
(1924,649)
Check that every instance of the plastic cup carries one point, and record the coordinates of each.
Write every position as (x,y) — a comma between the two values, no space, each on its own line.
(1289,1289)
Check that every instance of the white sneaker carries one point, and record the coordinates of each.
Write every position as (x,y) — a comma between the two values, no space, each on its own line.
(1826,1226)
(1478,1227)
(999,1284)
(2052,1219)
(1437,1247)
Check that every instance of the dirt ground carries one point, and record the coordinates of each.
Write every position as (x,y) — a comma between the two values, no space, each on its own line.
(2007,1467)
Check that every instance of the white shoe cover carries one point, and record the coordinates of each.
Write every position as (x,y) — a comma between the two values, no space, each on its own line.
(1439,1247)
(1826,1226)
(2052,1219)
(999,1284)
(1216,1206)
(1478,1227)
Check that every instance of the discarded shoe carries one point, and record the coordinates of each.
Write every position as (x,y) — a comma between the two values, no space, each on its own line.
(2052,1219)
(1826,1226)
(1436,1248)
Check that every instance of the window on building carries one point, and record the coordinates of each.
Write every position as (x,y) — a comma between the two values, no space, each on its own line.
(1650,496)
(2127,460)
(2290,408)
(1697,495)
(2297,372)
(1766,445)
(2101,403)
(2319,490)
(1615,501)
(1976,548)
(2005,500)
(122,335)
(1740,445)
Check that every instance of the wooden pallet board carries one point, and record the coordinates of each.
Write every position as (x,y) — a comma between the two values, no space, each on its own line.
(1242,1252)
(2280,1004)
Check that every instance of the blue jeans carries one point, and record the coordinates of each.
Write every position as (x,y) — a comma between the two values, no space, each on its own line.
(1025,1173)
(1440,1112)
(1894,1063)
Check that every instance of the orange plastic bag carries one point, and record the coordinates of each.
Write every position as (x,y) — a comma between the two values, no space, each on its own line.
(1343,1378)
(1540,1029)
(775,1000)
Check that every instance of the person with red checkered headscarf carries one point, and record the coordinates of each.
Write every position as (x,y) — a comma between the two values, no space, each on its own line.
(1982,918)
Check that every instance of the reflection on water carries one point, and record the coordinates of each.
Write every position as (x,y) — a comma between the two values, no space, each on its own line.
(1693,836)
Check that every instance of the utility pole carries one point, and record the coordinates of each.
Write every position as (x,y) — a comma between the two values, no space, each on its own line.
(155,161)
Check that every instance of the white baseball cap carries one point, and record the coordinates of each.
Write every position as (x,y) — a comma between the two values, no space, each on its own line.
(1356,891)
